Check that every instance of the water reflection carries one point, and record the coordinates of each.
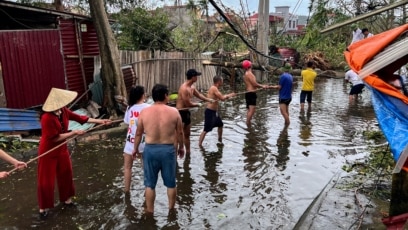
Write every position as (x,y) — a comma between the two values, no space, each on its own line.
(255,147)
(211,161)
(130,212)
(185,194)
(147,221)
(283,143)
(305,127)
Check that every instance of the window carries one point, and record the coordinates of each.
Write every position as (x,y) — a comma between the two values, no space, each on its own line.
(84,28)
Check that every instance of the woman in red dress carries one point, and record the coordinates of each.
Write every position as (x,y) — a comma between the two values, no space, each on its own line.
(57,163)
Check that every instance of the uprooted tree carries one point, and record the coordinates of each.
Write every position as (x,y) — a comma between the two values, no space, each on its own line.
(114,85)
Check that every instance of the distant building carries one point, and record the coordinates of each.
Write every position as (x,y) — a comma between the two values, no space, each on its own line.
(282,21)
(274,22)
(292,25)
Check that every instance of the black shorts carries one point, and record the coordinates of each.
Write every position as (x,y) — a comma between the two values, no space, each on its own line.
(185,116)
(357,89)
(306,96)
(211,120)
(250,98)
(285,101)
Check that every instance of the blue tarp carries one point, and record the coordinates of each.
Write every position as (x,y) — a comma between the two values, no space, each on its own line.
(392,115)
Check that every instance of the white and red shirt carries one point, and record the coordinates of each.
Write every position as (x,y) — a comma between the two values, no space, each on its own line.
(131,118)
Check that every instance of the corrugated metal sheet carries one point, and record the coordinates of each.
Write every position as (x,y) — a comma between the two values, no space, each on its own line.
(18,120)
(78,52)
(73,125)
(31,64)
(128,77)
(90,40)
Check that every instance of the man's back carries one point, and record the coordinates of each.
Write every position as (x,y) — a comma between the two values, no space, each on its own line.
(308,77)
(212,93)
(353,77)
(286,82)
(161,129)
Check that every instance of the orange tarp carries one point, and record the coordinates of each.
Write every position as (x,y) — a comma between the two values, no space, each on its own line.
(360,53)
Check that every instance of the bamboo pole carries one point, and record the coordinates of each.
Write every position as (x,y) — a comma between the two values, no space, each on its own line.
(235,65)
(62,143)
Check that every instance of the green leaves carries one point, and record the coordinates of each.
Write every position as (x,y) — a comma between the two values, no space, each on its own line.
(139,29)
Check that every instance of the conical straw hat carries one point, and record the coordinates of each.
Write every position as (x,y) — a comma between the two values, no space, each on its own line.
(58,98)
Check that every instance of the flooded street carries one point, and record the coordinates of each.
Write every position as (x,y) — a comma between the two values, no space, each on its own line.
(264,177)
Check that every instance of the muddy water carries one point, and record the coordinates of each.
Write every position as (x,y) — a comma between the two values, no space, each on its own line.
(264,177)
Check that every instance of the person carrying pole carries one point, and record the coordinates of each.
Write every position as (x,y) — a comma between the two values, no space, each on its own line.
(251,86)
(56,165)
(212,118)
(17,164)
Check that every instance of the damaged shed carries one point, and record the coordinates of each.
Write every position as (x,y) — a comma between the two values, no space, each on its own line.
(41,49)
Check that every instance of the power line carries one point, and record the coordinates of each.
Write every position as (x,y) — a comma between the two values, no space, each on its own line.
(227,20)
(28,27)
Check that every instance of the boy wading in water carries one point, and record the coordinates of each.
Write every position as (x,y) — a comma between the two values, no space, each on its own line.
(212,118)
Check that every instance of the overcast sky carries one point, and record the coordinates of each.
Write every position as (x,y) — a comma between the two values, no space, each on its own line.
(253,5)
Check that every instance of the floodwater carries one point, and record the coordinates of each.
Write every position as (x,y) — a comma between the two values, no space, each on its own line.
(264,177)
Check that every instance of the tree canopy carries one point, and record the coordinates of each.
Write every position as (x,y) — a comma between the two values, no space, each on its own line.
(139,29)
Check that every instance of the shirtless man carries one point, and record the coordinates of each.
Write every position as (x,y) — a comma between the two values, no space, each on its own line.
(212,118)
(161,125)
(250,86)
(185,93)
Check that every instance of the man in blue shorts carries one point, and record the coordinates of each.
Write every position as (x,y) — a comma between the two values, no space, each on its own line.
(212,118)
(161,125)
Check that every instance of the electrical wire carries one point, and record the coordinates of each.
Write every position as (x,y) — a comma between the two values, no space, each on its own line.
(153,35)
(291,16)
(15,20)
(227,20)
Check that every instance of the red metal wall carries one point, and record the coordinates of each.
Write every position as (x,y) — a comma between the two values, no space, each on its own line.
(71,48)
(31,64)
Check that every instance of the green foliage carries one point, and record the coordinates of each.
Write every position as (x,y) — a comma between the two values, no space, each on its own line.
(191,38)
(139,29)
(229,42)
(375,135)
(379,160)
(380,157)
(14,144)
(374,173)
(201,37)
(332,45)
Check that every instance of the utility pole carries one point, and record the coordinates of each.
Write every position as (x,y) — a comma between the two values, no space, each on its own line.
(263,36)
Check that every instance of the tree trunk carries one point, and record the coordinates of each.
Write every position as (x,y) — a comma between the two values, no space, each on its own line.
(112,76)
